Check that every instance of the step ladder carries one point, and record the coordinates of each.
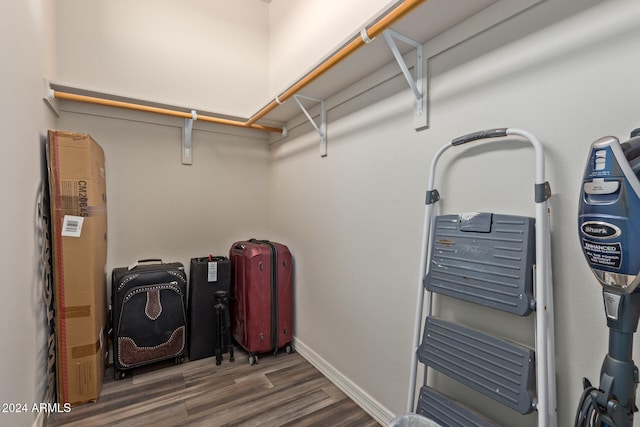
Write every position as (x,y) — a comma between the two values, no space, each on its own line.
(502,262)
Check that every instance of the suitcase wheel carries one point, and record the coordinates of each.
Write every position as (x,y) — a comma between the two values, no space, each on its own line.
(118,375)
(253,359)
(288,348)
(178,360)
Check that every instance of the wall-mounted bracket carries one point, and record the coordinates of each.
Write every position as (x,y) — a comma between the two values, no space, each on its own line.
(187,153)
(419,84)
(322,129)
(49,98)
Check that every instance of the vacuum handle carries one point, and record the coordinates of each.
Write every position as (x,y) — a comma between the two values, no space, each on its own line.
(483,134)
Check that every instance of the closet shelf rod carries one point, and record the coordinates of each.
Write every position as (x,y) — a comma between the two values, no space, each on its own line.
(385,22)
(165,111)
(374,30)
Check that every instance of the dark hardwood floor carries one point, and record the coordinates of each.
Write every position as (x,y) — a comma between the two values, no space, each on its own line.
(281,390)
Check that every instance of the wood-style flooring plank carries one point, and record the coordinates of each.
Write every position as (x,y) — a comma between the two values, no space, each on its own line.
(281,390)
(253,402)
(342,413)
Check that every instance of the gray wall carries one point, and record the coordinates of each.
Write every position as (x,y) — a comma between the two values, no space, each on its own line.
(354,218)
(28,54)
(159,208)
(200,54)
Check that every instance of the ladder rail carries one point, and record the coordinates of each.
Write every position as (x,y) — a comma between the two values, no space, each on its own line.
(429,217)
(544,317)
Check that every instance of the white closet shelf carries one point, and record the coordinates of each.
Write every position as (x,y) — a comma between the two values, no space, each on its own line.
(56,91)
(434,23)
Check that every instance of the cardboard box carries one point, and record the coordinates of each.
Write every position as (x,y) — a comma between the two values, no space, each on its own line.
(79,236)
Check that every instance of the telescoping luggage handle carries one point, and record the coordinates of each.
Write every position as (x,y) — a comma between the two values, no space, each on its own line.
(145,261)
(545,371)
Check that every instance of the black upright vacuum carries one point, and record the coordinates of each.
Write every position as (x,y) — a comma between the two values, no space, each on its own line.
(609,230)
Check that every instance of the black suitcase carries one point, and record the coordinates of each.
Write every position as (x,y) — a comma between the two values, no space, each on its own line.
(149,318)
(209,322)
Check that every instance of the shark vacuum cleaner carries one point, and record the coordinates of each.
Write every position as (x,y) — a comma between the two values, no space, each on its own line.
(609,230)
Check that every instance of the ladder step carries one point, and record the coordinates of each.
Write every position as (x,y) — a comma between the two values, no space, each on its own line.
(484,258)
(499,369)
(448,412)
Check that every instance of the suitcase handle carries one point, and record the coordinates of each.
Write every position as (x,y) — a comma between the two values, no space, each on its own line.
(148,260)
(240,246)
(210,258)
(145,261)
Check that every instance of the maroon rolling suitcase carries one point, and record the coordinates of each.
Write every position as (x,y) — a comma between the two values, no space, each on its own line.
(261,296)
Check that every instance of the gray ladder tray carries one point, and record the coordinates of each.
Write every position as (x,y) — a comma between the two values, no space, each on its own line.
(484,258)
(447,412)
(497,368)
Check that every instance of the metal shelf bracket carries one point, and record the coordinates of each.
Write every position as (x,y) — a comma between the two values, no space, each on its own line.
(49,98)
(187,154)
(322,128)
(419,84)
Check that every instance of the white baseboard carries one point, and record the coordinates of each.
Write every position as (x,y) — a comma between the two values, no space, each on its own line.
(355,393)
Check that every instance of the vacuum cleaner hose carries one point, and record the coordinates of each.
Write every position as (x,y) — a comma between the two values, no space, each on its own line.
(586,415)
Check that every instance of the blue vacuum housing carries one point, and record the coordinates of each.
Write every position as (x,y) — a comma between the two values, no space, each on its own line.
(609,213)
